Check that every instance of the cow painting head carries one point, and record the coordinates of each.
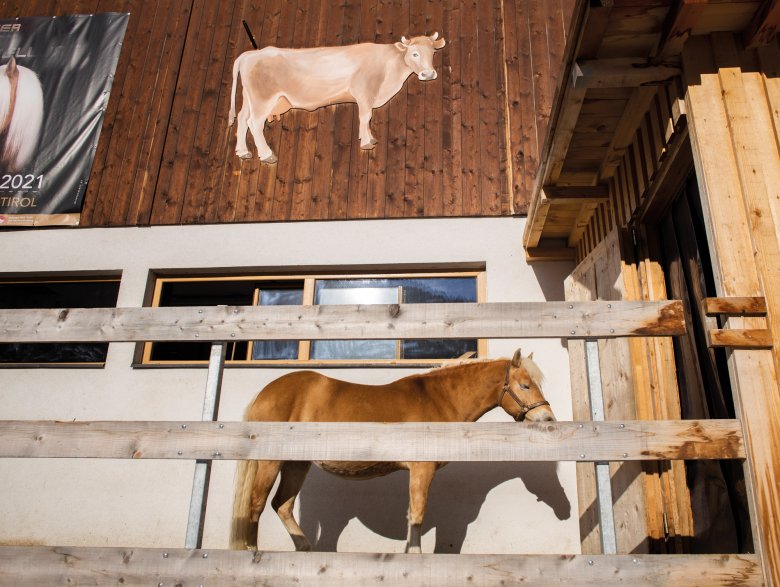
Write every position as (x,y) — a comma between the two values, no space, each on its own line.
(418,54)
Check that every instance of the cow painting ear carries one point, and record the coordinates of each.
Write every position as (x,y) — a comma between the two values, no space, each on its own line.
(400,46)
(439,44)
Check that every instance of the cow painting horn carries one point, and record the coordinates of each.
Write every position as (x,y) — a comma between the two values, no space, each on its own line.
(404,40)
(434,36)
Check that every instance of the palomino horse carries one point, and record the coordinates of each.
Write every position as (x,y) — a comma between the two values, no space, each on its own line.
(459,393)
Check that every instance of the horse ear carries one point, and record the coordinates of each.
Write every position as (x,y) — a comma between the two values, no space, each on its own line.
(517,359)
(10,67)
(531,356)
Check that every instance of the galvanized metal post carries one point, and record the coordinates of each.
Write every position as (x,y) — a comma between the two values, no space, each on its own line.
(603,480)
(200,483)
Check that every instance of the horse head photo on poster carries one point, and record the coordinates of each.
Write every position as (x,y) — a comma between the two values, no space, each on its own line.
(21,115)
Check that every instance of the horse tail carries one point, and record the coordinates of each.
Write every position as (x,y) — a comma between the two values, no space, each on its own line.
(242,527)
(236,71)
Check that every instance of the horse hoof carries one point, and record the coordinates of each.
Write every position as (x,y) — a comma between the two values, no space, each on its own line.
(271,159)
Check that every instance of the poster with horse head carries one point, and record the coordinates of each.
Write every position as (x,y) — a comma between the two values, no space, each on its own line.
(55,79)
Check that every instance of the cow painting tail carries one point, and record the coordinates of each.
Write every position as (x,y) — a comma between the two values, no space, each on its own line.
(242,528)
(236,70)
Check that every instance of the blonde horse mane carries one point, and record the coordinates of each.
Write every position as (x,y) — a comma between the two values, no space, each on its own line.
(527,363)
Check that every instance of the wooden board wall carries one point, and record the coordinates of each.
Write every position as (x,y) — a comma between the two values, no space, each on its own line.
(465,144)
(651,500)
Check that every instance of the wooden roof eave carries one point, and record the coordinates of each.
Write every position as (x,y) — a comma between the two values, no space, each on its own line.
(556,223)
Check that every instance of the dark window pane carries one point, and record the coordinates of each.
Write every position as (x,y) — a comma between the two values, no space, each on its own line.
(203,293)
(443,348)
(80,294)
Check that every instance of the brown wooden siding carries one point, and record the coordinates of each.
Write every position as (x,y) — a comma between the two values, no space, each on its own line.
(466,144)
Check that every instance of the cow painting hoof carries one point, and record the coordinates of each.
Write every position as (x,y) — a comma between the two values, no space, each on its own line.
(244,154)
(271,159)
(368,146)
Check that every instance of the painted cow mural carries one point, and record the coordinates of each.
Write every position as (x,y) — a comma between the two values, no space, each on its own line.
(21,115)
(369,74)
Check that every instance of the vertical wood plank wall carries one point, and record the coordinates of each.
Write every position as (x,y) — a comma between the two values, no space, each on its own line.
(465,144)
(635,386)
(732,100)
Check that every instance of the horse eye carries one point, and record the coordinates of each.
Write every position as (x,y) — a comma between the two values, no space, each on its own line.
(524,386)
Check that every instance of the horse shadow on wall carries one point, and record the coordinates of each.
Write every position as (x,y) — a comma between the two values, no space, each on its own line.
(458,492)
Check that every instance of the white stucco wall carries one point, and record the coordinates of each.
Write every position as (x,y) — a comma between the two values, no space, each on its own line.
(479,507)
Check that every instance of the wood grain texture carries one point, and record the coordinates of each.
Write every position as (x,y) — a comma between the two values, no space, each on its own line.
(340,322)
(42,565)
(466,143)
(729,125)
(629,440)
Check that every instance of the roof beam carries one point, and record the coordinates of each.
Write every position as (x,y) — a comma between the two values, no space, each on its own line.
(677,27)
(621,73)
(573,99)
(634,112)
(577,194)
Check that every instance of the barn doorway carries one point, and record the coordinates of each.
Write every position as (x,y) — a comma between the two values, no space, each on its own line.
(717,488)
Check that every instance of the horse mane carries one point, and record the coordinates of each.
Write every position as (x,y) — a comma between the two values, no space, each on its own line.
(533,370)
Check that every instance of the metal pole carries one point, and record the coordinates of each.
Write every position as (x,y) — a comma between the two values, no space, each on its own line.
(200,483)
(603,480)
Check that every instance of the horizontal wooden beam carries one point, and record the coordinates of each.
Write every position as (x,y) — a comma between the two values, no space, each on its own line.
(24,566)
(735,306)
(550,254)
(357,441)
(741,338)
(621,72)
(574,195)
(381,321)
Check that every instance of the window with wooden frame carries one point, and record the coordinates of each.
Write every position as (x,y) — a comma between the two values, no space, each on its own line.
(307,290)
(60,292)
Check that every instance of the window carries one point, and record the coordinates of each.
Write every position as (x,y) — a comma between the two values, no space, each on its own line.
(317,290)
(60,293)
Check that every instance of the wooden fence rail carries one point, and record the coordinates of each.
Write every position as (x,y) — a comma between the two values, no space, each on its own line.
(43,565)
(482,441)
(381,321)
(425,441)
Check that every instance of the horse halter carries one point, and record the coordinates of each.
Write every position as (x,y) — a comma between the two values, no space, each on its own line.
(524,407)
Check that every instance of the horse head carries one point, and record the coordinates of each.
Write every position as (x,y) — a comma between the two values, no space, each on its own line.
(521,396)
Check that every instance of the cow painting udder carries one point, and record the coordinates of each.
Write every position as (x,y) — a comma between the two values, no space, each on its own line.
(369,74)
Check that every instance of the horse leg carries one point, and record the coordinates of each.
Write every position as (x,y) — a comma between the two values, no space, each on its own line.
(290,483)
(261,487)
(420,477)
